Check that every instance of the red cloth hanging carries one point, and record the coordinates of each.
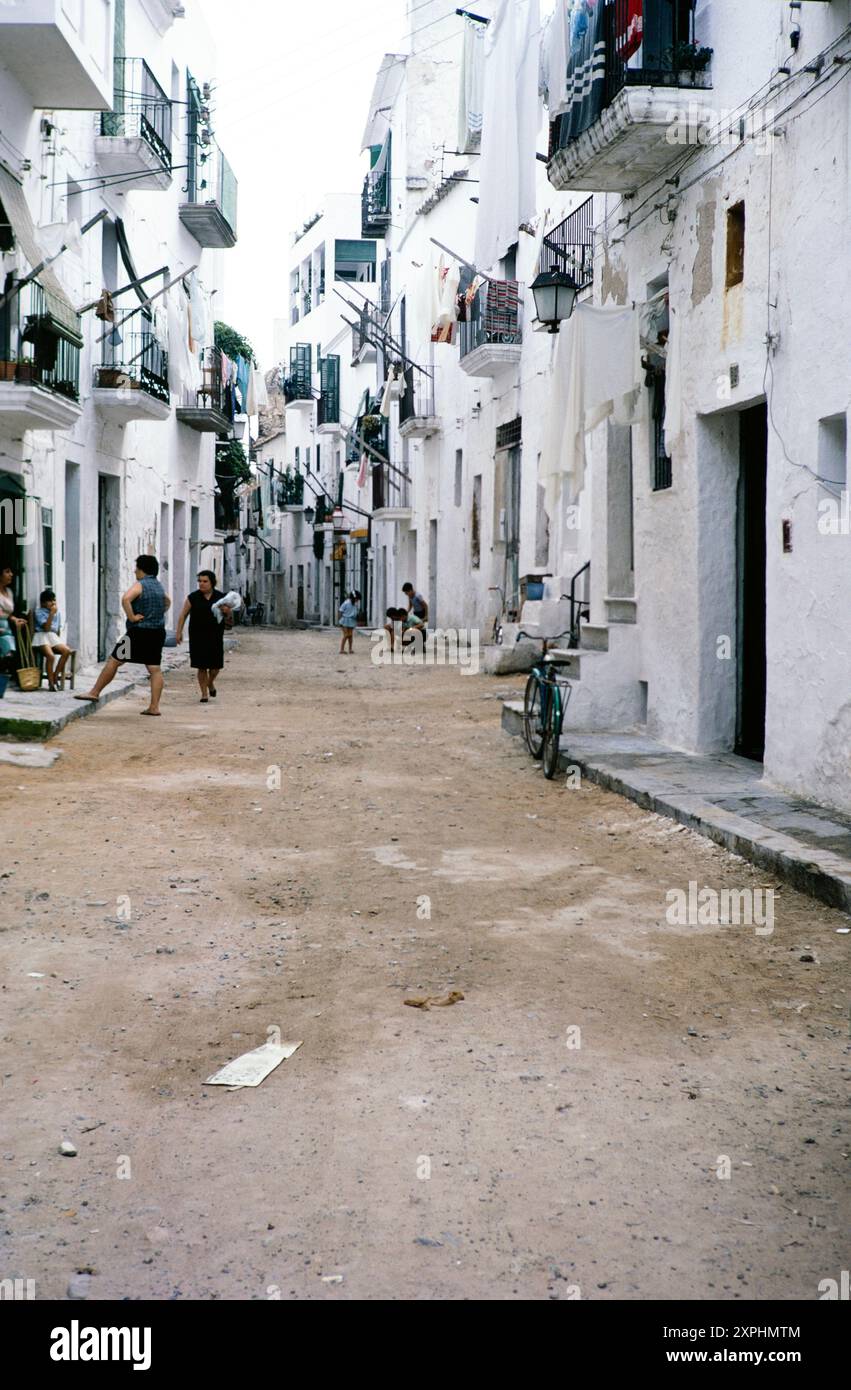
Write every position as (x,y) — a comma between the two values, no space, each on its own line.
(630,28)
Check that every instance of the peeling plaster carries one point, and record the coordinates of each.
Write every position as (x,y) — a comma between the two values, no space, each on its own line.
(615,281)
(701,275)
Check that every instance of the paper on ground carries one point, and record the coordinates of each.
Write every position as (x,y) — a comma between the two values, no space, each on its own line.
(253,1067)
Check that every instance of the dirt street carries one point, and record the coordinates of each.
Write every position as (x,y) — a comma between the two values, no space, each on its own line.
(325,840)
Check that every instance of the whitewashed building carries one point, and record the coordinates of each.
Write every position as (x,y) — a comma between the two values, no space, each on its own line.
(108,417)
(714,526)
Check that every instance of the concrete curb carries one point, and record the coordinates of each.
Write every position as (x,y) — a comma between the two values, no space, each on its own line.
(819,873)
(35,730)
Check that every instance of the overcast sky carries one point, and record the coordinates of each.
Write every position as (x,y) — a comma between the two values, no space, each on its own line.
(293,87)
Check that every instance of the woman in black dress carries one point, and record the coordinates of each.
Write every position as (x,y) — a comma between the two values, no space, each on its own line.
(206,633)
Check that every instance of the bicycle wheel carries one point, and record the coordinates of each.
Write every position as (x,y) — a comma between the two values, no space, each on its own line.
(552,735)
(532,727)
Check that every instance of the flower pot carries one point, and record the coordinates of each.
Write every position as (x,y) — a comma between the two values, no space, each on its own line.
(7,371)
(25,372)
(109,377)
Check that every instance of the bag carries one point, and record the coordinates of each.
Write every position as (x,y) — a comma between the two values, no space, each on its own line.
(28,673)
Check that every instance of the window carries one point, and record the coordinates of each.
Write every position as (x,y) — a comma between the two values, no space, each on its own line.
(297,457)
(833,450)
(355,260)
(307,459)
(267,560)
(735,245)
(47,544)
(459,476)
(476,524)
(660,463)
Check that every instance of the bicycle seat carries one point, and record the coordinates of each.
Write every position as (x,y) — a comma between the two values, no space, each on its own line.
(554,660)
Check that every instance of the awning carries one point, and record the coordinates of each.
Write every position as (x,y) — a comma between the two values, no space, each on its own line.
(65,317)
(388,84)
(354,252)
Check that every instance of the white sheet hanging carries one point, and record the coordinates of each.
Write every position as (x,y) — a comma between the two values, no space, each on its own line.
(445,279)
(472,88)
(555,52)
(597,373)
(507,167)
(184,371)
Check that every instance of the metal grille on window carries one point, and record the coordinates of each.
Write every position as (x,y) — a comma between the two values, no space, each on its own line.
(510,434)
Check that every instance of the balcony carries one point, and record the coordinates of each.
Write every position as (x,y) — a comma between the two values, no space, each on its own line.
(417,416)
(134,139)
(645,102)
(205,409)
(39,365)
(375,199)
(290,494)
(391,494)
(60,52)
(132,382)
(491,339)
(328,405)
(210,212)
(298,386)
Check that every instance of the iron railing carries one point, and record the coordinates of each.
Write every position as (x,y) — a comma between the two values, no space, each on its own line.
(569,247)
(31,350)
(139,362)
(390,487)
(140,107)
(417,400)
(211,180)
(375,200)
(298,386)
(664,53)
(494,317)
(211,393)
(291,489)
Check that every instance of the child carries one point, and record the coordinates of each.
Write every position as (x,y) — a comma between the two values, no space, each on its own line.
(48,626)
(349,609)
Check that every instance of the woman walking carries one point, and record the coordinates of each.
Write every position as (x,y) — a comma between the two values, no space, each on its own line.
(206,633)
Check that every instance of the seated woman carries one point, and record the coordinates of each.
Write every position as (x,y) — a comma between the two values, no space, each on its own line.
(47,634)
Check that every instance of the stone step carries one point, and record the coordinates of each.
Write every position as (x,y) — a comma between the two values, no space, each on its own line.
(574,657)
(622,610)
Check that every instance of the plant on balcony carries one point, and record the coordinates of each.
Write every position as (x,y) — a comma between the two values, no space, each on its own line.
(370,426)
(688,57)
(231,461)
(25,370)
(7,370)
(232,343)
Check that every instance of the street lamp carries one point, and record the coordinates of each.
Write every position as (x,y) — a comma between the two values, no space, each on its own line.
(309,514)
(555,297)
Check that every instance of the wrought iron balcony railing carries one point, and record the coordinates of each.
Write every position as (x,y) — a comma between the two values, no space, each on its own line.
(375,203)
(390,488)
(32,351)
(569,247)
(494,317)
(139,362)
(140,107)
(417,400)
(298,386)
(662,53)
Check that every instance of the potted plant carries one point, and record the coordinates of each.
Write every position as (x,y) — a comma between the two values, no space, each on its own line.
(687,59)
(7,369)
(25,370)
(370,426)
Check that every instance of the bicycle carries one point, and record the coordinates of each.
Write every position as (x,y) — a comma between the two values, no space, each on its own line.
(545,705)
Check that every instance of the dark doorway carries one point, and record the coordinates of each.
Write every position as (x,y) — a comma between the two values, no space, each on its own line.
(109,578)
(750,733)
(299,611)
